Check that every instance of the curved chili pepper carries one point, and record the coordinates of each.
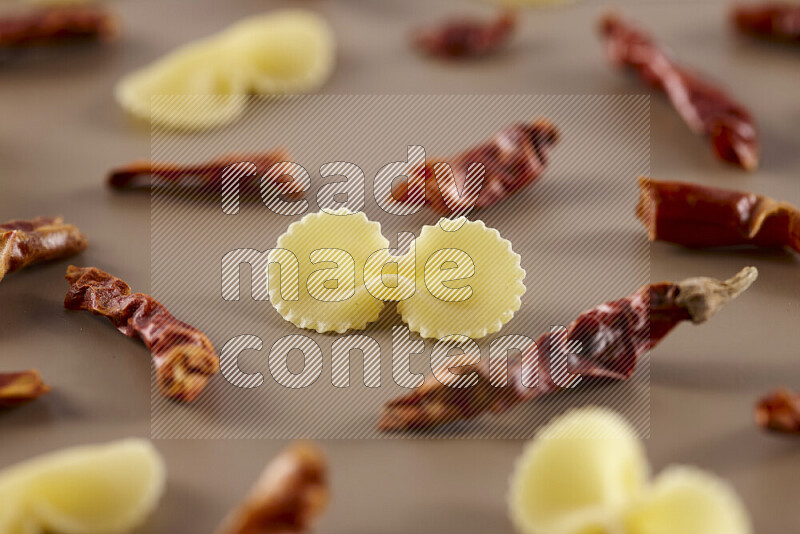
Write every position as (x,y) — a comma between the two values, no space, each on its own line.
(466,38)
(779,412)
(613,337)
(706,108)
(206,177)
(23,243)
(53,24)
(288,497)
(513,158)
(21,387)
(183,357)
(772,21)
(697,216)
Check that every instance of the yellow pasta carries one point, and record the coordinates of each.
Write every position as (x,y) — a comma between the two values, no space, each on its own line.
(195,87)
(689,501)
(100,489)
(288,51)
(204,84)
(319,282)
(468,281)
(578,475)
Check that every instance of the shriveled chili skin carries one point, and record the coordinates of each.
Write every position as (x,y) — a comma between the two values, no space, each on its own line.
(613,337)
(771,21)
(21,387)
(706,108)
(206,177)
(513,158)
(56,24)
(288,498)
(464,38)
(25,242)
(697,216)
(183,357)
(779,412)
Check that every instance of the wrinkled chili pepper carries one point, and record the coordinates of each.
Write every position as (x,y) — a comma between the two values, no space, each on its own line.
(779,412)
(463,38)
(707,109)
(56,24)
(612,336)
(697,216)
(21,387)
(206,177)
(772,21)
(23,243)
(513,158)
(183,357)
(288,497)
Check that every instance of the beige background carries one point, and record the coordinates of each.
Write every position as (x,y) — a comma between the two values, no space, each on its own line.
(60,131)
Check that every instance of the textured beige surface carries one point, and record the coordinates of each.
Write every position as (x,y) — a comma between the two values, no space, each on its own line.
(60,131)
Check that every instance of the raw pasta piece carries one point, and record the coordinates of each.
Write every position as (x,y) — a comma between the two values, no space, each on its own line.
(288,51)
(689,501)
(331,250)
(469,281)
(99,489)
(198,86)
(577,476)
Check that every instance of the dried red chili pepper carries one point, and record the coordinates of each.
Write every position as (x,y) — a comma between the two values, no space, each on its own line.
(23,243)
(613,336)
(513,158)
(779,412)
(465,37)
(288,497)
(706,108)
(206,177)
(21,387)
(697,216)
(773,21)
(183,357)
(55,24)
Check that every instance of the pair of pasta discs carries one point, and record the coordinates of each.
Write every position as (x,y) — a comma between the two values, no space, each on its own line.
(458,278)
(204,84)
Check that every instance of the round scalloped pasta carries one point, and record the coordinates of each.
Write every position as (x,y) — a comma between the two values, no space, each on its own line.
(84,490)
(483,300)
(689,501)
(194,87)
(577,475)
(322,303)
(287,51)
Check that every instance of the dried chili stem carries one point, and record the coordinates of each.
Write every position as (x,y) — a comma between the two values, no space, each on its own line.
(513,158)
(21,387)
(290,494)
(698,216)
(56,24)
(612,336)
(779,412)
(183,357)
(23,243)
(706,108)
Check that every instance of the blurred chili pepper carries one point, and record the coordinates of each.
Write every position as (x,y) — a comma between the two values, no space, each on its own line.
(705,107)
(779,412)
(772,21)
(466,38)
